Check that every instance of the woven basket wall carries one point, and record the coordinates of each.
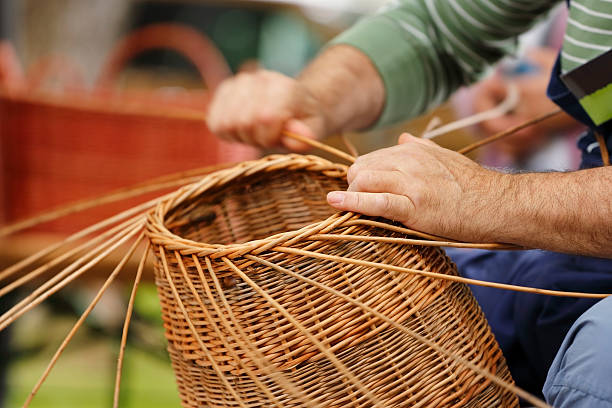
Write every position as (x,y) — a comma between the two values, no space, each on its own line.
(232,346)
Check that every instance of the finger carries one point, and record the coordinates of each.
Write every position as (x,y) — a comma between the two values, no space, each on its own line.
(370,181)
(390,206)
(215,116)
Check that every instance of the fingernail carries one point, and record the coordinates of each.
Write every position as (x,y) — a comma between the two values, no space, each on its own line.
(335,198)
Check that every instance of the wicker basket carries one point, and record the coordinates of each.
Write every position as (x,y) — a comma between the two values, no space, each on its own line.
(260,298)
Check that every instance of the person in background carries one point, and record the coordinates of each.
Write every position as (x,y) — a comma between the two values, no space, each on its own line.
(549,145)
(410,57)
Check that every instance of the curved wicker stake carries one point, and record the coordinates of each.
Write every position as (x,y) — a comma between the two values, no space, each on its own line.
(603,148)
(315,143)
(433,123)
(324,349)
(126,324)
(509,132)
(349,146)
(84,316)
(256,355)
(78,235)
(159,183)
(262,363)
(32,300)
(436,275)
(512,99)
(67,255)
(407,241)
(501,383)
(214,364)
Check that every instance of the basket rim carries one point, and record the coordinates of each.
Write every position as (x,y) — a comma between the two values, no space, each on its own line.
(159,234)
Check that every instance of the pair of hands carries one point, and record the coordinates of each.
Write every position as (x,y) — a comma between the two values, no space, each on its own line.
(417,182)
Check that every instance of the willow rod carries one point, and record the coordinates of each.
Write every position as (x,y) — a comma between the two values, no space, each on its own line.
(126,324)
(499,382)
(332,358)
(511,131)
(81,320)
(436,275)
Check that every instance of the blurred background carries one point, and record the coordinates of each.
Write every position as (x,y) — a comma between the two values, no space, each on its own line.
(87,91)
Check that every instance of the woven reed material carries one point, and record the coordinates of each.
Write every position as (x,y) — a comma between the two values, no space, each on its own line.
(250,325)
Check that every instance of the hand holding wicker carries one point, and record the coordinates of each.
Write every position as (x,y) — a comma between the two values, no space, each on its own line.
(425,187)
(256,107)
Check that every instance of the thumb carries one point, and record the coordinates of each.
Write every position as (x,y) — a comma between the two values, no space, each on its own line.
(302,128)
(391,206)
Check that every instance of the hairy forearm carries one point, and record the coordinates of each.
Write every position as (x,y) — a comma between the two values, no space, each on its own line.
(348,87)
(564,212)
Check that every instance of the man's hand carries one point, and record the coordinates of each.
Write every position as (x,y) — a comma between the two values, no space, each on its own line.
(425,187)
(255,107)
(341,90)
(533,102)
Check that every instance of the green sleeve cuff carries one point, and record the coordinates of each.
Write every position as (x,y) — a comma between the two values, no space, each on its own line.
(396,58)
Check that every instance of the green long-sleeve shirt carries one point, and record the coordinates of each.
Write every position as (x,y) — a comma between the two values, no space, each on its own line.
(425,49)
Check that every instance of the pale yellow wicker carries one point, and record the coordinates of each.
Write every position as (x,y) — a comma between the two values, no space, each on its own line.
(268,296)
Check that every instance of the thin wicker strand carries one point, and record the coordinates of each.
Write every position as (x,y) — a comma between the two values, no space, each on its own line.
(134,211)
(32,301)
(81,320)
(70,268)
(258,357)
(126,324)
(316,144)
(264,363)
(159,183)
(457,358)
(405,241)
(214,364)
(433,123)
(512,99)
(509,132)
(349,145)
(436,275)
(603,148)
(67,255)
(354,381)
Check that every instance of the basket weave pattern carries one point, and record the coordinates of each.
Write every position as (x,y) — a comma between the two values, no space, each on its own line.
(254,292)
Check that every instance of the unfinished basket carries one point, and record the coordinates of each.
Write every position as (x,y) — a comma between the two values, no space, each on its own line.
(271,298)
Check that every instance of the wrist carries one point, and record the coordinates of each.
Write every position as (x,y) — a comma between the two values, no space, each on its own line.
(347,88)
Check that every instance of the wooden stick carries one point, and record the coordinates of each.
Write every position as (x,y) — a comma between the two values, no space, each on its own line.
(126,324)
(509,132)
(81,320)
